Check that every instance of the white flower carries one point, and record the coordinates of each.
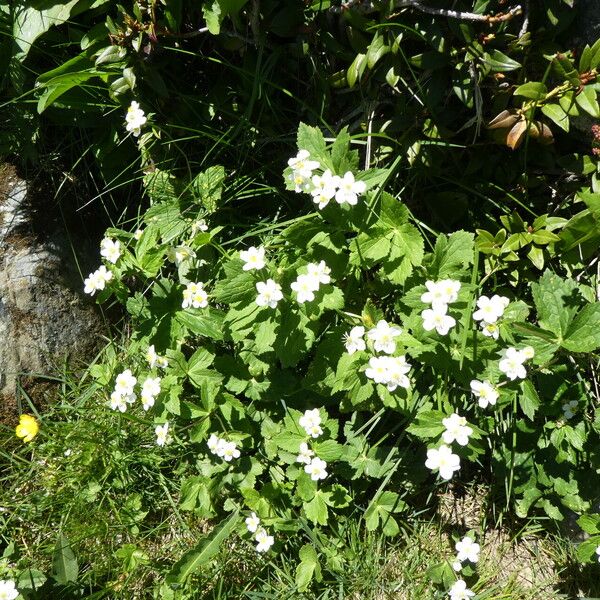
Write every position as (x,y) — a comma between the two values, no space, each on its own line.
(228,450)
(8,591)
(263,540)
(378,369)
(195,295)
(441,293)
(490,330)
(254,258)
(457,565)
(438,320)
(311,422)
(302,169)
(444,460)
(490,309)
(528,352)
(179,254)
(199,225)
(305,287)
(316,469)
(150,389)
(305,455)
(397,369)
(354,341)
(269,293)
(598,547)
(349,189)
(570,408)
(154,360)
(460,591)
(485,393)
(110,250)
(383,336)
(125,383)
(135,118)
(467,549)
(511,364)
(324,188)
(320,272)
(97,280)
(120,402)
(213,443)
(137,234)
(162,434)
(252,523)
(456,430)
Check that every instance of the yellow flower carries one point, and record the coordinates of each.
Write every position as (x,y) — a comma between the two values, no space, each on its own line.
(27,428)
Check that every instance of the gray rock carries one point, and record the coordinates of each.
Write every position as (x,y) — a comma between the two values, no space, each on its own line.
(43,314)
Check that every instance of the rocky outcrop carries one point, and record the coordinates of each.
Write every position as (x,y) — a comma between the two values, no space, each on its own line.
(44,317)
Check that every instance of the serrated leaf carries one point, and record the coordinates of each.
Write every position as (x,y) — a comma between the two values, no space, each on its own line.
(452,255)
(204,552)
(583,334)
(529,401)
(427,424)
(309,564)
(316,510)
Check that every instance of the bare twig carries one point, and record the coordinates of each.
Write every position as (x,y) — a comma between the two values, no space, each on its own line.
(525,24)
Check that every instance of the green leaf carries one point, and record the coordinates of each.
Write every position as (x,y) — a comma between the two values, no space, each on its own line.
(529,401)
(316,510)
(452,255)
(203,553)
(587,100)
(207,187)
(308,567)
(556,302)
(311,139)
(198,363)
(557,115)
(499,62)
(590,524)
(381,509)
(583,334)
(427,425)
(534,90)
(295,336)
(587,549)
(377,48)
(64,563)
(356,69)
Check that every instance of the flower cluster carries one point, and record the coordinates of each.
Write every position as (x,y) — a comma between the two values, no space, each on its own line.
(135,118)
(110,250)
(325,187)
(263,540)
(439,295)
(512,362)
(97,280)
(222,448)
(311,422)
(390,371)
(307,284)
(150,389)
(123,394)
(195,296)
(488,312)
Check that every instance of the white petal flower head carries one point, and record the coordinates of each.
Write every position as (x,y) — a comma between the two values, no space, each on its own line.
(179,254)
(317,469)
(570,408)
(150,389)
(353,340)
(397,369)
(349,189)
(485,392)
(528,352)
(110,250)
(97,280)
(460,591)
(118,402)
(320,271)
(457,430)
(151,356)
(305,455)
(162,434)
(457,565)
(195,296)
(435,296)
(324,188)
(269,293)
(438,320)
(252,523)
(467,549)
(8,591)
(213,443)
(443,460)
(305,287)
(490,309)
(383,336)
(378,369)
(311,421)
(263,540)
(125,383)
(229,451)
(137,234)
(490,330)
(199,225)
(135,118)
(511,364)
(302,162)
(254,258)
